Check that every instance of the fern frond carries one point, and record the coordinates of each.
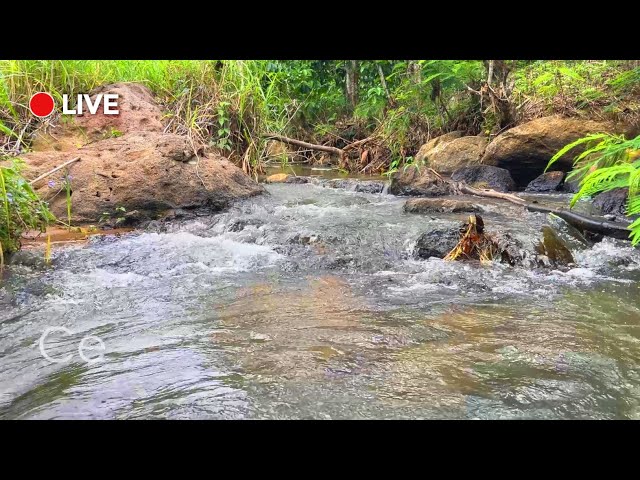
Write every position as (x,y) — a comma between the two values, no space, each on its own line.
(633,206)
(572,145)
(635,232)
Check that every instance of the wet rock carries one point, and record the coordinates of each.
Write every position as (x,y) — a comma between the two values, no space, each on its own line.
(570,235)
(344,183)
(440,205)
(370,186)
(428,147)
(277,178)
(570,186)
(6,298)
(547,182)
(28,258)
(554,248)
(241,224)
(415,181)
(525,150)
(485,176)
(35,288)
(297,179)
(613,202)
(437,243)
(460,152)
(304,239)
(513,251)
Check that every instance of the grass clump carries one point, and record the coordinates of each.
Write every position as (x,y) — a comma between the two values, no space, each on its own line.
(20,208)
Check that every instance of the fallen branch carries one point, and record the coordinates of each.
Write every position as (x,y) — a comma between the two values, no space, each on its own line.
(358,143)
(323,148)
(463,188)
(51,172)
(580,221)
(300,143)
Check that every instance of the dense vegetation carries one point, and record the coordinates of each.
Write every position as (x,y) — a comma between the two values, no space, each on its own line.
(234,105)
(20,207)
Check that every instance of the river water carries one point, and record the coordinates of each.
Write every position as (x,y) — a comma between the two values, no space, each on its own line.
(307,303)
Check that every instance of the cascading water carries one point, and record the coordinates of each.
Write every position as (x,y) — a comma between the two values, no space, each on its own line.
(307,303)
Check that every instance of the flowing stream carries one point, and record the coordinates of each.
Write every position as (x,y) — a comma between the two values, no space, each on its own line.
(307,303)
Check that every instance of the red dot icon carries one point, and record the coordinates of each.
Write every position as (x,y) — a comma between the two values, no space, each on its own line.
(41,104)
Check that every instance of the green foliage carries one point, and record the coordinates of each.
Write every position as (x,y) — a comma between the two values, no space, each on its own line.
(563,86)
(608,162)
(20,207)
(230,105)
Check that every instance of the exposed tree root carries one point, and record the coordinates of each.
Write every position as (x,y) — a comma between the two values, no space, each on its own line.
(473,244)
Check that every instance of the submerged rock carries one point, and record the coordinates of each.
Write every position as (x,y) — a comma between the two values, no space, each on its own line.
(297,179)
(370,186)
(414,181)
(28,258)
(554,248)
(440,205)
(345,183)
(485,176)
(547,182)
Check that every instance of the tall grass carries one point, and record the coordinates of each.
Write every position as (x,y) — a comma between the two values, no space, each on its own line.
(225,104)
(20,207)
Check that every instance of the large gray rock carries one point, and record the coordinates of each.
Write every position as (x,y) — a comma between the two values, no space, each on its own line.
(428,147)
(485,176)
(460,152)
(525,150)
(437,243)
(547,182)
(418,182)
(613,202)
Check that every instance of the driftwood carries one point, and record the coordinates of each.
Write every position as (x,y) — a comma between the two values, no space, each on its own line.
(323,148)
(580,221)
(300,143)
(51,172)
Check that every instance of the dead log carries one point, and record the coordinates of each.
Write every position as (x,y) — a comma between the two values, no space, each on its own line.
(300,143)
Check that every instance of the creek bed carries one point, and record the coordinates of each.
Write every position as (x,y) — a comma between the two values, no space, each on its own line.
(307,303)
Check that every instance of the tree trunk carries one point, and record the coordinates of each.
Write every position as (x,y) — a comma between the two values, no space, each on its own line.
(352,74)
(383,81)
(498,89)
(415,71)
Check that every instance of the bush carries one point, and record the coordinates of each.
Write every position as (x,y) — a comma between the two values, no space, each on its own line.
(20,208)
